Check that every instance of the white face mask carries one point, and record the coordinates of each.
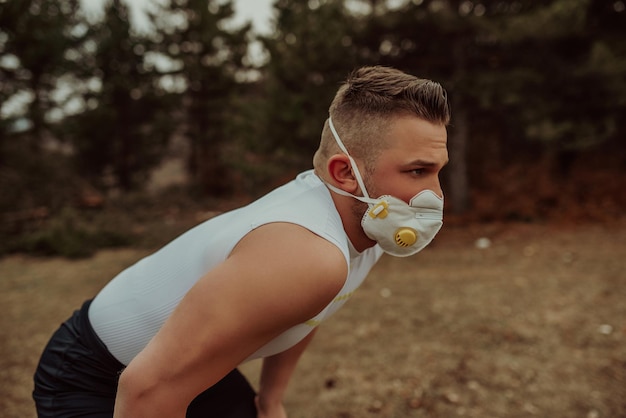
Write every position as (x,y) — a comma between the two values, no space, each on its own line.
(400,229)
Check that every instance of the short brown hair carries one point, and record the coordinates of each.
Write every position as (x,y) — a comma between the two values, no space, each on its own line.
(367,101)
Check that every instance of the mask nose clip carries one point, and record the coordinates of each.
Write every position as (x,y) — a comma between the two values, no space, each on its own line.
(380,210)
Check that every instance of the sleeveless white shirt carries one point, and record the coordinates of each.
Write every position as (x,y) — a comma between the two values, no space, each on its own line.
(132,307)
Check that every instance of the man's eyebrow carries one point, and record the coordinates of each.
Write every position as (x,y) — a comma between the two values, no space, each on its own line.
(426,163)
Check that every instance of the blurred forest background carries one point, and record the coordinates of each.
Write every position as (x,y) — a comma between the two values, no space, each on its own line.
(109,133)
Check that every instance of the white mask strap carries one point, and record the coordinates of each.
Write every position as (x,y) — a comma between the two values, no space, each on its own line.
(344,193)
(357,174)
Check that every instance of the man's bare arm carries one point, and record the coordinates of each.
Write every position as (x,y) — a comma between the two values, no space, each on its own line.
(275,375)
(278,276)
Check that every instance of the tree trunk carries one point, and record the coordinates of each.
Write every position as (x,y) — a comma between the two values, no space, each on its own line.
(459,130)
(458,193)
(208,171)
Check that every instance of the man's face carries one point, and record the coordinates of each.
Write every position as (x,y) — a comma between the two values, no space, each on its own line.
(416,153)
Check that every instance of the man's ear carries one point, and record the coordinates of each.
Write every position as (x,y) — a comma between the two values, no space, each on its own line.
(341,173)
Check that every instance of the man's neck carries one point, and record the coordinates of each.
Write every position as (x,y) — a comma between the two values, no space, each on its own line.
(351,223)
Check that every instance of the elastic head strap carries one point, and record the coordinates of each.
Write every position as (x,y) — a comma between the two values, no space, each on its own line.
(357,173)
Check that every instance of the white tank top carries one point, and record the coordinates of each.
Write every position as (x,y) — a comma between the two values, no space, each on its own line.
(132,307)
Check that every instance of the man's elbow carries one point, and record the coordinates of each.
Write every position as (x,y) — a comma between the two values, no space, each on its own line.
(133,395)
(139,396)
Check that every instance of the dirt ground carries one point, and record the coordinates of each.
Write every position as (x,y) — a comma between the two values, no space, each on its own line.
(495,320)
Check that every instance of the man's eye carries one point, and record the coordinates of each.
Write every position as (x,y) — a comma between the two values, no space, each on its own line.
(418,171)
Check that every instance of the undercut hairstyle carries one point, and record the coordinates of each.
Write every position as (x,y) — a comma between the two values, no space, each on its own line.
(366,104)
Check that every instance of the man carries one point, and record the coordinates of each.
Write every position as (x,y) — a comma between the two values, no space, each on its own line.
(164,338)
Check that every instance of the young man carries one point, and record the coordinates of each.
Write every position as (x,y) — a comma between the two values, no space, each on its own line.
(164,337)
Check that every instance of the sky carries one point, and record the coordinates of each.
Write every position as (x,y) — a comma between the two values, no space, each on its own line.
(257,11)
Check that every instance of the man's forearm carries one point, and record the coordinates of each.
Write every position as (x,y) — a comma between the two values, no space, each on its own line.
(277,371)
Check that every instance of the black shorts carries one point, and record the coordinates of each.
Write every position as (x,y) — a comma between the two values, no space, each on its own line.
(77,377)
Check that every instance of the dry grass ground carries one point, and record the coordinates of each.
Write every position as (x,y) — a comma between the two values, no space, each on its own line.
(533,325)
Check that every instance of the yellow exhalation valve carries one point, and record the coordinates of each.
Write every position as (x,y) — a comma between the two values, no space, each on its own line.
(405,237)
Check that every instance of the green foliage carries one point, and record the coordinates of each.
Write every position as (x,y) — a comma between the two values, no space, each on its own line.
(34,180)
(127,124)
(518,72)
(67,235)
(139,219)
(209,59)
(311,51)
(35,38)
(545,79)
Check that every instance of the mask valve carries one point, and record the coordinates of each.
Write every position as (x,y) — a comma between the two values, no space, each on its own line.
(405,237)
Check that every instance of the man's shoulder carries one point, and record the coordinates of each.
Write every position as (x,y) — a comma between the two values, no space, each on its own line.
(302,262)
(305,201)
(299,245)
(305,189)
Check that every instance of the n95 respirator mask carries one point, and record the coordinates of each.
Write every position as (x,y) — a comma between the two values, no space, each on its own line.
(399,228)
